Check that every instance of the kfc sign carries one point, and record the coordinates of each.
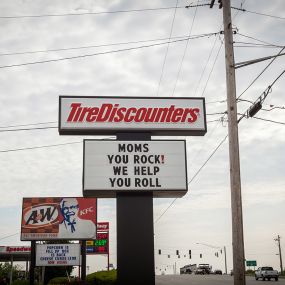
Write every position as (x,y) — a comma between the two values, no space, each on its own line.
(110,115)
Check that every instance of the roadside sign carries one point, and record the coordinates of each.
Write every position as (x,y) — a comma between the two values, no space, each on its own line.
(110,115)
(251,263)
(58,254)
(157,166)
(53,218)
(98,246)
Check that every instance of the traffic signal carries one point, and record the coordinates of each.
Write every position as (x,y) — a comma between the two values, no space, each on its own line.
(159,251)
(200,255)
(190,253)
(177,252)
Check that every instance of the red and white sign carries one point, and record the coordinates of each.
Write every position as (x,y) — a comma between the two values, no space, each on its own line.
(15,249)
(110,115)
(103,227)
(53,218)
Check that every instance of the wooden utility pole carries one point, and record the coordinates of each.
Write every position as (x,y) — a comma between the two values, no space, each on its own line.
(236,201)
(280,254)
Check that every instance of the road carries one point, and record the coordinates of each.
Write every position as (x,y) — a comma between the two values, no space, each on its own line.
(192,279)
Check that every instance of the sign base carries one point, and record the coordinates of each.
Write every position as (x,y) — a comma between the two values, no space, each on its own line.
(135,244)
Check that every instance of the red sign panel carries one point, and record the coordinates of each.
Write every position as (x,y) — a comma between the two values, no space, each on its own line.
(59,218)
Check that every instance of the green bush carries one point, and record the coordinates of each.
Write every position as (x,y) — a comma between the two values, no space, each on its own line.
(21,282)
(102,278)
(63,280)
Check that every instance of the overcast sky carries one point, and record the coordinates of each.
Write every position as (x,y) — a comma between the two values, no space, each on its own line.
(29,95)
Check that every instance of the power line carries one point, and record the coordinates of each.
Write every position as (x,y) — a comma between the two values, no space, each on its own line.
(166,52)
(258,13)
(264,94)
(27,129)
(9,236)
(184,52)
(92,13)
(93,46)
(267,120)
(198,171)
(254,80)
(94,54)
(25,125)
(208,103)
(38,147)
(258,40)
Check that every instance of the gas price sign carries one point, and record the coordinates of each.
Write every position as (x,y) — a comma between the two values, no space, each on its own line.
(155,166)
(98,246)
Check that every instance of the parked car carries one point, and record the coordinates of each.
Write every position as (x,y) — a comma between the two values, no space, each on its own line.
(200,271)
(218,271)
(266,272)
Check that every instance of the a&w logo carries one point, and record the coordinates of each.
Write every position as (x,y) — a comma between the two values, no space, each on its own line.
(41,215)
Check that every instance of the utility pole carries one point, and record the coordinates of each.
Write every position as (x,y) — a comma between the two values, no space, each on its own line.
(236,201)
(280,254)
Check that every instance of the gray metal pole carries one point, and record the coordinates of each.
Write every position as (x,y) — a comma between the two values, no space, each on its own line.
(11,271)
(226,267)
(236,201)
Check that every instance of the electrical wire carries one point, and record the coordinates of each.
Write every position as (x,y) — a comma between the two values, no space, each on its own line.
(268,120)
(9,236)
(93,46)
(184,52)
(194,176)
(38,147)
(92,13)
(27,129)
(254,80)
(258,40)
(166,52)
(93,54)
(25,125)
(258,13)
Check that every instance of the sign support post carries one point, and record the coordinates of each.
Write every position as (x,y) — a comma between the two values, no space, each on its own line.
(32,263)
(83,260)
(135,245)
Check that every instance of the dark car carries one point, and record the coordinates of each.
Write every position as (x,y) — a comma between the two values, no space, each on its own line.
(218,271)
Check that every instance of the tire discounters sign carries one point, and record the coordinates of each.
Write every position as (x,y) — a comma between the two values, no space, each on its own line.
(57,254)
(110,115)
(134,166)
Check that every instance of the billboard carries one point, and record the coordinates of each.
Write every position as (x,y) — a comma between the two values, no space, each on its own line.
(58,254)
(156,166)
(53,218)
(110,115)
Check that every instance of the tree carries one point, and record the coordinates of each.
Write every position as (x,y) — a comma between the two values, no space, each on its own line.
(5,269)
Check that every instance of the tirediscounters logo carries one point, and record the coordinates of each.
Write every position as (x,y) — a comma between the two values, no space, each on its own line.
(110,115)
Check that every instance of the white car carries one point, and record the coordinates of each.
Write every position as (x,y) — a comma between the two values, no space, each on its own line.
(266,272)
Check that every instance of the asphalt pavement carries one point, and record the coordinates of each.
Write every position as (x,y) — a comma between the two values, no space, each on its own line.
(191,279)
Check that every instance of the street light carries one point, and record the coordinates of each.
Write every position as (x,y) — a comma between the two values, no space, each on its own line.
(217,247)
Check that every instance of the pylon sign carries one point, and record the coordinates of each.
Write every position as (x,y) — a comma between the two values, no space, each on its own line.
(110,115)
(156,166)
